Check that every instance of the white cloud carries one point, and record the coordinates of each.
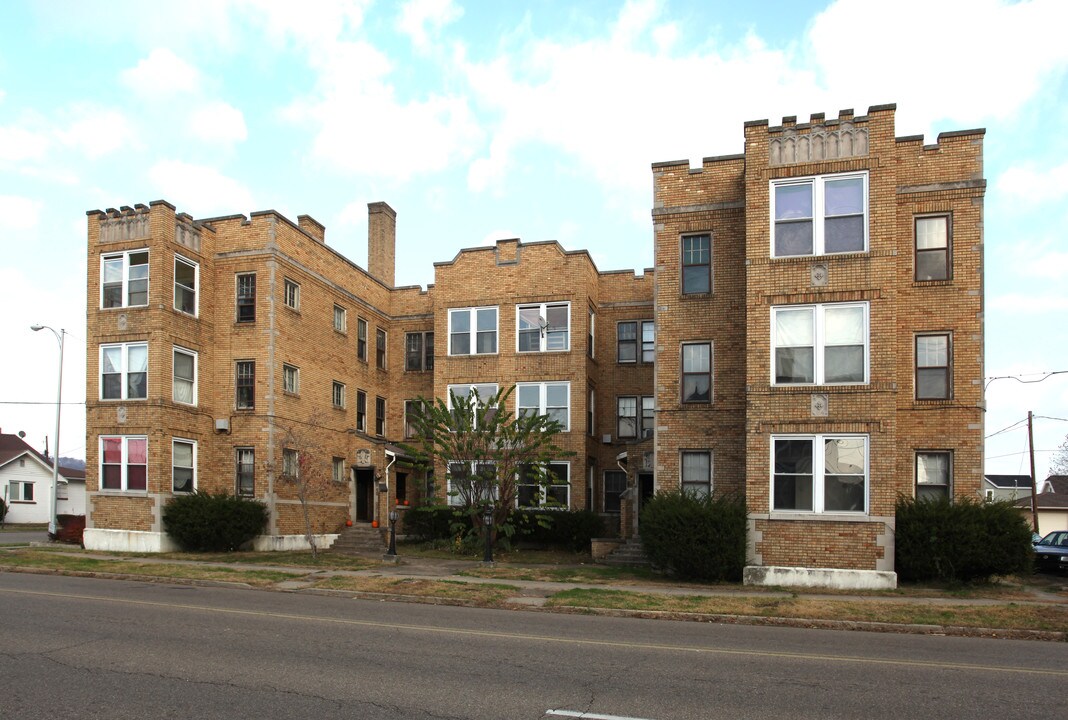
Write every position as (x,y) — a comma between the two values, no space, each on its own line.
(419,19)
(1033,186)
(1029,304)
(311,25)
(162,74)
(96,131)
(199,190)
(18,144)
(218,122)
(19,213)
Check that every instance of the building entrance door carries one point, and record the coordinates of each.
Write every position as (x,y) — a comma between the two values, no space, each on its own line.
(365,494)
(646,489)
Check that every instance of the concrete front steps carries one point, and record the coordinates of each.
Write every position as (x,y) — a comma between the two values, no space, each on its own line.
(360,539)
(629,554)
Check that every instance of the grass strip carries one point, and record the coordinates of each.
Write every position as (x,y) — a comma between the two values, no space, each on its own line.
(1008,615)
(480,594)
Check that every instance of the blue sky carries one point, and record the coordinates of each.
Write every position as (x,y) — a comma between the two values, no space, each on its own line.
(484,120)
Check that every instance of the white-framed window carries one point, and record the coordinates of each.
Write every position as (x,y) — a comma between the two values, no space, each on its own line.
(290,379)
(337,394)
(934,474)
(183,466)
(245,471)
(124,371)
(697,372)
(246,297)
(933,234)
(819,215)
(696,264)
(20,491)
(543,327)
(124,462)
(471,483)
(934,379)
(819,344)
(290,463)
(545,398)
(124,279)
(63,490)
(185,376)
(485,391)
(695,471)
(340,319)
(337,470)
(291,294)
(819,473)
(554,493)
(473,331)
(628,345)
(186,282)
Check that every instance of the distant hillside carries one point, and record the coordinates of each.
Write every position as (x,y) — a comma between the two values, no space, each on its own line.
(72,463)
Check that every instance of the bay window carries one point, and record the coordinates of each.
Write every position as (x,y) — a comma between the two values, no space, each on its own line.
(124,279)
(124,371)
(123,463)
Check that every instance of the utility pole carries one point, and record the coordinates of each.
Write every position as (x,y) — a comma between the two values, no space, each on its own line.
(1034,482)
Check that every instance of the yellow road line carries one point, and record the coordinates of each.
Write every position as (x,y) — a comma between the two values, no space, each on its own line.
(550,639)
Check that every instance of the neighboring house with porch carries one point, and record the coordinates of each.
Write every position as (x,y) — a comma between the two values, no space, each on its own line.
(1051,504)
(1006,487)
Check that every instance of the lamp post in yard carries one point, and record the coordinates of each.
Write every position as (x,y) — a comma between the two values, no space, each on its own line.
(55,451)
(487,522)
(392,534)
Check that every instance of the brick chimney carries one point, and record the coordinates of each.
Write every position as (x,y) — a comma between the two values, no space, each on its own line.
(381,242)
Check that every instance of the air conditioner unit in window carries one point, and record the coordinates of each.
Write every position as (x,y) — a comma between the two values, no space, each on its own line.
(222,425)
(647,433)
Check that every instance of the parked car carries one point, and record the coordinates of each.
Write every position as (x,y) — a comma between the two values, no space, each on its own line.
(1035,538)
(1051,553)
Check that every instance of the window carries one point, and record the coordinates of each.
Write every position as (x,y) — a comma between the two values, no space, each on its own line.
(696,473)
(934,468)
(628,423)
(473,331)
(124,371)
(123,463)
(337,394)
(291,294)
(290,379)
(245,384)
(380,416)
(627,341)
(820,473)
(419,351)
(484,391)
(615,484)
(246,297)
(471,483)
(124,279)
(361,339)
(20,491)
(290,464)
(183,466)
(413,411)
(185,376)
(591,334)
(591,415)
(696,264)
(361,411)
(819,215)
(932,367)
(548,486)
(696,372)
(932,248)
(820,344)
(340,319)
(186,276)
(551,398)
(337,470)
(245,471)
(380,348)
(543,327)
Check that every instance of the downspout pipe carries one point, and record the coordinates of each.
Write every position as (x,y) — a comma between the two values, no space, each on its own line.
(393,458)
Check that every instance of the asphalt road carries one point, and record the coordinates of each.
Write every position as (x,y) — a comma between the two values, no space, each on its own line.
(90,648)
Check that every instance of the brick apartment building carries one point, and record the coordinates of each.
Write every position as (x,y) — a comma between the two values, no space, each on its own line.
(811,336)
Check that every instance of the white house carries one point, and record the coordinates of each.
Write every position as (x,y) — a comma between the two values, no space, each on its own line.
(1051,504)
(1006,487)
(26,484)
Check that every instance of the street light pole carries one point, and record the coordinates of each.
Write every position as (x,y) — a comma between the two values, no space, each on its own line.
(55,451)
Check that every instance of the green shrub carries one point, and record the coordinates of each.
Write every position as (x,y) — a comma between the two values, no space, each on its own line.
(435,522)
(3,510)
(962,541)
(206,522)
(568,529)
(695,538)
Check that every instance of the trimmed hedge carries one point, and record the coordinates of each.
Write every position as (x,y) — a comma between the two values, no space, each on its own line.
(962,541)
(3,509)
(570,529)
(206,522)
(695,538)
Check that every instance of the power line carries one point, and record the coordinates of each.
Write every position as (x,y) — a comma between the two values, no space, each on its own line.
(1006,429)
(1019,378)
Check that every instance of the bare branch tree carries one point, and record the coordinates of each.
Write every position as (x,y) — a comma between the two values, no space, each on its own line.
(306,465)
